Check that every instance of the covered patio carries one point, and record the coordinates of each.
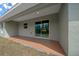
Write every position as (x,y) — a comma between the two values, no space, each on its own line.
(50,47)
(39,27)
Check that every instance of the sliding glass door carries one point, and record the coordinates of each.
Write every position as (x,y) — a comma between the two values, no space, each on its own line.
(42,28)
(45,28)
(38,27)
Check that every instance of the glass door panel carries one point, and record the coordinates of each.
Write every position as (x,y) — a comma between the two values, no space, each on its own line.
(45,28)
(38,27)
(42,28)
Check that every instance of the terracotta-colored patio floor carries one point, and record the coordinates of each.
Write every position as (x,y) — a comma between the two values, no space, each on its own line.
(43,45)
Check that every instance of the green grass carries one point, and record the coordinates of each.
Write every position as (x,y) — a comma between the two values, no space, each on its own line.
(10,48)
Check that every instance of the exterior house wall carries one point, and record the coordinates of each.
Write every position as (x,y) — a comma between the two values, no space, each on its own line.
(12,28)
(8,29)
(69,28)
(2,29)
(30,31)
(63,26)
(73,29)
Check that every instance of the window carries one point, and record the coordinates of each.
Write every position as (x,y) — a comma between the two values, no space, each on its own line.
(25,25)
(42,28)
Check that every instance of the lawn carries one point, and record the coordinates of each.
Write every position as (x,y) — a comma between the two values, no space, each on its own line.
(10,48)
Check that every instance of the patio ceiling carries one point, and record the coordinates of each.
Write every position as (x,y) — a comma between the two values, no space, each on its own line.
(31,10)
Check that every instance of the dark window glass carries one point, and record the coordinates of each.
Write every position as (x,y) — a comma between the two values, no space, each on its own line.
(42,28)
(25,25)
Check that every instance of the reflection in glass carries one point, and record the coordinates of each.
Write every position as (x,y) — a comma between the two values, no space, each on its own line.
(42,28)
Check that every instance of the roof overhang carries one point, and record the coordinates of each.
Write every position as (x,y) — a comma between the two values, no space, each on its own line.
(26,11)
(18,7)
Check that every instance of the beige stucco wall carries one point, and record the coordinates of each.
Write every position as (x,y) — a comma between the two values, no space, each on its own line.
(30,31)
